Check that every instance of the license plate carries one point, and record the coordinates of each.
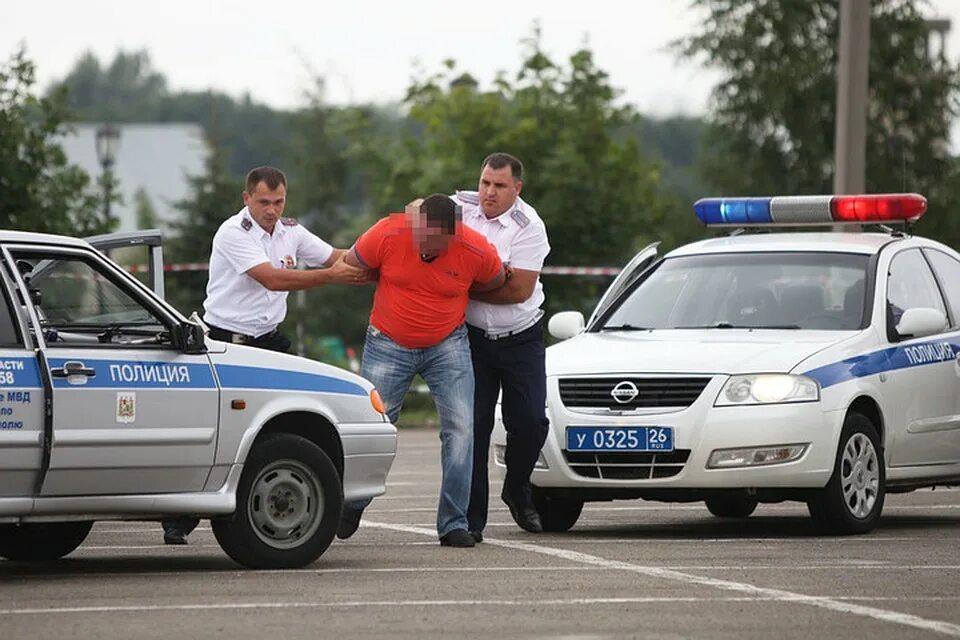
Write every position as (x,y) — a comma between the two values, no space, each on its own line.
(619,438)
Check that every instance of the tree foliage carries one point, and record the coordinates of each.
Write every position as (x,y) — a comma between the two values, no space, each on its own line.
(39,189)
(585,173)
(773,116)
(213,196)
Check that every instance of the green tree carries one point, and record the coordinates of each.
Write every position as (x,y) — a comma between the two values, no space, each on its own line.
(128,89)
(585,173)
(146,213)
(772,121)
(212,197)
(39,190)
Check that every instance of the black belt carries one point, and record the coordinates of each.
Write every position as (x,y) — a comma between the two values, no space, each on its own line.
(238,338)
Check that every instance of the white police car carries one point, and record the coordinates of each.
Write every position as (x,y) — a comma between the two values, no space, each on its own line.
(114,406)
(819,367)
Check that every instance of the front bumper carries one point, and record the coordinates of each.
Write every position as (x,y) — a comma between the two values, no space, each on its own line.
(368,453)
(698,430)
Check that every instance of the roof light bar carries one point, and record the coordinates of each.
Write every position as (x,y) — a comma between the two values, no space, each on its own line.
(803,210)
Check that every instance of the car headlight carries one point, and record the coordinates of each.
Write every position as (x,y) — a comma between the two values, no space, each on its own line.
(767,388)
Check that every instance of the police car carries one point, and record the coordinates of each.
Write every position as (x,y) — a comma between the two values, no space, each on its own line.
(762,367)
(115,406)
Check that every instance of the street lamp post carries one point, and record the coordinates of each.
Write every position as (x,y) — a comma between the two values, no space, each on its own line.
(108,140)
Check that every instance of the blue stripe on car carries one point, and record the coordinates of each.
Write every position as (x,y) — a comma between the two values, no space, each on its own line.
(136,374)
(239,377)
(19,372)
(892,359)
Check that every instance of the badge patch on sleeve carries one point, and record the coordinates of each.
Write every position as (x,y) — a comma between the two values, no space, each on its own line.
(126,408)
(246,224)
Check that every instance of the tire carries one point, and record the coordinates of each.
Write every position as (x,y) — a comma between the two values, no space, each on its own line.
(288,506)
(732,505)
(556,514)
(852,501)
(41,542)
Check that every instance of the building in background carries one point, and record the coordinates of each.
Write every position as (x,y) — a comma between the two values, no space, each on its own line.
(156,158)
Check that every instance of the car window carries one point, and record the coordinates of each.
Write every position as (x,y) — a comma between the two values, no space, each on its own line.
(790,290)
(947,269)
(910,285)
(78,301)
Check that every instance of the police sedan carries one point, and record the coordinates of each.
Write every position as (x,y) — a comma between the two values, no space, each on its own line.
(762,367)
(114,406)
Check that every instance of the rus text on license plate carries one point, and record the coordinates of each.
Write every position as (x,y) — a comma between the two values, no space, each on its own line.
(619,439)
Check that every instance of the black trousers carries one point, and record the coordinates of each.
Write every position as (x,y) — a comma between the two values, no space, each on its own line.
(273,341)
(516,366)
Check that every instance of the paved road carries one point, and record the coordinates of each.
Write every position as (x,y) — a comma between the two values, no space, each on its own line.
(628,569)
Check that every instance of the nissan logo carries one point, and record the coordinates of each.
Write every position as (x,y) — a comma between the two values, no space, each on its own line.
(624,392)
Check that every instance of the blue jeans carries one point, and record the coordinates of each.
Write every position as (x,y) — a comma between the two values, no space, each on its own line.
(448,372)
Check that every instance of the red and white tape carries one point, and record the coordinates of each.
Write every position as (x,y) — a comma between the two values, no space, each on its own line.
(547,271)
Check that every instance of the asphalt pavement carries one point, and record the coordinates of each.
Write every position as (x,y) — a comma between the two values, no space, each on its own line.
(628,569)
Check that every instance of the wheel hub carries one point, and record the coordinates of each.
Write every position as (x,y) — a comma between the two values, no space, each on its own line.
(860,475)
(285,503)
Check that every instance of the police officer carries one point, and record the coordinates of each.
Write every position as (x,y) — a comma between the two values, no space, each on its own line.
(506,340)
(252,269)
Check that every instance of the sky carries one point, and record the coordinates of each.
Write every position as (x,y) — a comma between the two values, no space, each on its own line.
(368,51)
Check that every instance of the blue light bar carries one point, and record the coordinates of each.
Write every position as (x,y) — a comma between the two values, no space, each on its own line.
(713,211)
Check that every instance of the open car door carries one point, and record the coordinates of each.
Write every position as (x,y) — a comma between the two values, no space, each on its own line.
(122,248)
(627,276)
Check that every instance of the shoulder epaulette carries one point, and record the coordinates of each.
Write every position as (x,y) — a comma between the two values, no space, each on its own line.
(289,222)
(520,218)
(246,224)
(469,197)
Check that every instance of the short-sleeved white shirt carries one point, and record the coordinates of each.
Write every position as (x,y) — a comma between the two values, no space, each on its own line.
(237,302)
(521,240)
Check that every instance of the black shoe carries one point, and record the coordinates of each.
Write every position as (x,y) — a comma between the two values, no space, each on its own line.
(174,537)
(349,523)
(457,538)
(477,536)
(523,511)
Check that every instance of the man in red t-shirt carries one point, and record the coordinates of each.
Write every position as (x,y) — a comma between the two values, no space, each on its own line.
(428,263)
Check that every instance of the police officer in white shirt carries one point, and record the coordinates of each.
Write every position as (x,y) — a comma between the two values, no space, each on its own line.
(253,266)
(506,340)
(252,269)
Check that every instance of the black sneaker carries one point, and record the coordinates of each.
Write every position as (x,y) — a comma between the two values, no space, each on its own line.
(349,523)
(457,538)
(477,536)
(174,537)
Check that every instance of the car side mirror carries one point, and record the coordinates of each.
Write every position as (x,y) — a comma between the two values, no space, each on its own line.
(921,321)
(189,337)
(565,324)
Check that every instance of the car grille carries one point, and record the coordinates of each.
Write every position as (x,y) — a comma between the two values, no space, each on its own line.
(627,465)
(652,392)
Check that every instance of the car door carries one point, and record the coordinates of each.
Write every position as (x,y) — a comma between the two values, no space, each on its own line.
(22,428)
(132,413)
(625,278)
(946,268)
(923,379)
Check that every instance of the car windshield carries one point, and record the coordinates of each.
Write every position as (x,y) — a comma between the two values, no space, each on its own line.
(784,290)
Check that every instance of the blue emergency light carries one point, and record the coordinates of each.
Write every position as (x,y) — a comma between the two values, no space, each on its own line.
(801,210)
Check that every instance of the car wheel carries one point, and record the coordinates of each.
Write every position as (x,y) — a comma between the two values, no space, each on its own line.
(288,505)
(39,542)
(736,505)
(556,514)
(853,499)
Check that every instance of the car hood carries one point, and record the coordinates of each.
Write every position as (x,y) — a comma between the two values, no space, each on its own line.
(730,351)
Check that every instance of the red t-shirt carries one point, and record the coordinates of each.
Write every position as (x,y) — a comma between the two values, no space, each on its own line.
(418,304)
